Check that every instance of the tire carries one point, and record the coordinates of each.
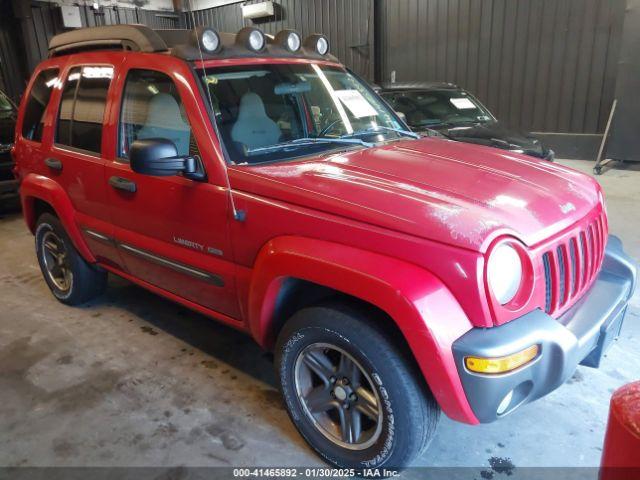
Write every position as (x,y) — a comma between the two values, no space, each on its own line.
(80,281)
(409,413)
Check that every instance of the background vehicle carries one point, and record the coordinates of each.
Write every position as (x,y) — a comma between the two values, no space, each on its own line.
(8,183)
(259,182)
(458,115)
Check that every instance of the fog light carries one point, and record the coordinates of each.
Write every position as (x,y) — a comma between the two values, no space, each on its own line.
(208,39)
(251,38)
(501,364)
(504,404)
(289,40)
(318,43)
(256,40)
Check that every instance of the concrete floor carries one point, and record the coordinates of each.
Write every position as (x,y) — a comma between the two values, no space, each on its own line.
(134,380)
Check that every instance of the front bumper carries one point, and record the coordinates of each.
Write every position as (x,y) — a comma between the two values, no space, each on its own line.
(580,336)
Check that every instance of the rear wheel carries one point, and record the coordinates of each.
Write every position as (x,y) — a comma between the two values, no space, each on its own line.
(70,278)
(350,391)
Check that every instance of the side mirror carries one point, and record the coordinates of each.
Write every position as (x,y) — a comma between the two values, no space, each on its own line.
(159,157)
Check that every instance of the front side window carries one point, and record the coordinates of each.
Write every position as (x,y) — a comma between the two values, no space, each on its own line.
(434,108)
(281,111)
(81,115)
(151,108)
(33,123)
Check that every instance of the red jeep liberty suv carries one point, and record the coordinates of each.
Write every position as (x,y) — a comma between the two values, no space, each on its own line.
(256,180)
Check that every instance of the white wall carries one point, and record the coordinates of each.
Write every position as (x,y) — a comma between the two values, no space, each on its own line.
(202,4)
(145,4)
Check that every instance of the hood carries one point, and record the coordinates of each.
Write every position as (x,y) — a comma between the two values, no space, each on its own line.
(450,192)
(495,134)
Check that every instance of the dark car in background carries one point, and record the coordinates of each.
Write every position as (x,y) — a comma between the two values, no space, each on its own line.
(8,183)
(448,110)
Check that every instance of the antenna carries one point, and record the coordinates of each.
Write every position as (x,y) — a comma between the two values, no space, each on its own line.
(239,215)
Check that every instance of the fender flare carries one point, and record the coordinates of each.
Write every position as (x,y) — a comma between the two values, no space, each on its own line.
(424,310)
(38,187)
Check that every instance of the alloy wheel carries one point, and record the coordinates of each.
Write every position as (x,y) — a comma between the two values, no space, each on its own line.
(338,396)
(56,261)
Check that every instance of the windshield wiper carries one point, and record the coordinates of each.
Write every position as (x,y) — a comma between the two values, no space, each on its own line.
(305,142)
(379,128)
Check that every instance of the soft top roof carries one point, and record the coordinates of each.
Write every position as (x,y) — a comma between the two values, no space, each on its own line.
(390,87)
(179,43)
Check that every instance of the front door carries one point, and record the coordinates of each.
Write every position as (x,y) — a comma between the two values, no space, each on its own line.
(172,232)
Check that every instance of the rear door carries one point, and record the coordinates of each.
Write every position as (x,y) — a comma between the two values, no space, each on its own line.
(172,232)
(75,159)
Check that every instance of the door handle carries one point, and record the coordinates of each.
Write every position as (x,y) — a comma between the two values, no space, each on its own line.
(123,184)
(53,164)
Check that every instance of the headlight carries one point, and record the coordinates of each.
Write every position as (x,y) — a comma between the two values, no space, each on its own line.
(504,273)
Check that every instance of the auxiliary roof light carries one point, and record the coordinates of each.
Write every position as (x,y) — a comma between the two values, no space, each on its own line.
(208,39)
(318,43)
(289,40)
(251,38)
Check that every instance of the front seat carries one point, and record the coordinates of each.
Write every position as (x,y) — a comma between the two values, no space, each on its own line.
(254,128)
(164,120)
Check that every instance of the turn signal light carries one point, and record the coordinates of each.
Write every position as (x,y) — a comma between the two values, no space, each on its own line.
(502,364)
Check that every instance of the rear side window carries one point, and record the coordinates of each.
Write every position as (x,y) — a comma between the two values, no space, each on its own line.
(81,114)
(33,122)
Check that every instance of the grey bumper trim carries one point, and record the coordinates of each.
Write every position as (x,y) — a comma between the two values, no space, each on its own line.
(580,336)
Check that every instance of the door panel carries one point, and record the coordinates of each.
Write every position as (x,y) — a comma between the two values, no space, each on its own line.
(171,232)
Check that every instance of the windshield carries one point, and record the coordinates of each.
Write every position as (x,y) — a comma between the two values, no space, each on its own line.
(433,108)
(281,111)
(5,104)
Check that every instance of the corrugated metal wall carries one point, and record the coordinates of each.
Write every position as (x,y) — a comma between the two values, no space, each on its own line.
(543,65)
(12,76)
(347,23)
(44,21)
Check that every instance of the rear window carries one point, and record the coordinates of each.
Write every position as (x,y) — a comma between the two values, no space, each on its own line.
(33,123)
(82,107)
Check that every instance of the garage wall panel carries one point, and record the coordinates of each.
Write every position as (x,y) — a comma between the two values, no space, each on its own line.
(545,65)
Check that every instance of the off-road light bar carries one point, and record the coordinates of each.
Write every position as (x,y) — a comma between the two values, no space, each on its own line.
(318,43)
(289,40)
(251,38)
(208,39)
(504,364)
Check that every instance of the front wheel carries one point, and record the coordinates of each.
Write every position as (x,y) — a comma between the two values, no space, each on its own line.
(350,392)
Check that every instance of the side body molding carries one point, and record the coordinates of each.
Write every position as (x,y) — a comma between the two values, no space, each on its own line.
(426,312)
(38,187)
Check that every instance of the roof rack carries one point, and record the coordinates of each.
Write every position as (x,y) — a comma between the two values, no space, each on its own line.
(179,43)
(125,37)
